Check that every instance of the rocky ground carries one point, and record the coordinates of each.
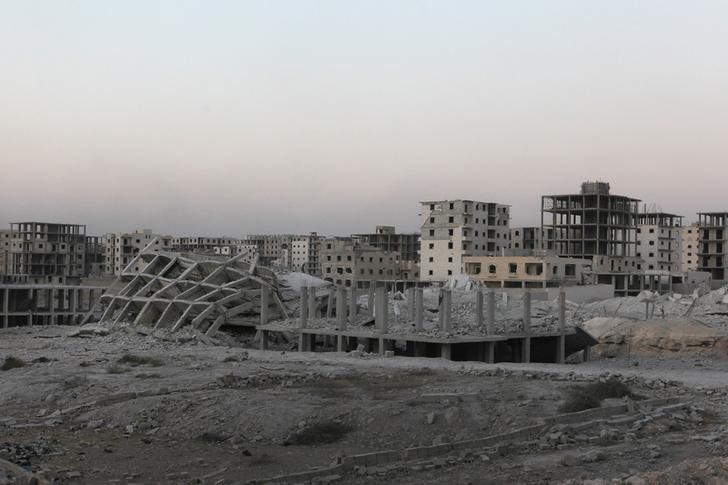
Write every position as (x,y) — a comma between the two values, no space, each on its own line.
(125,407)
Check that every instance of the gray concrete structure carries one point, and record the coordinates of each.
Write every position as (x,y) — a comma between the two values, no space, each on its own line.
(27,305)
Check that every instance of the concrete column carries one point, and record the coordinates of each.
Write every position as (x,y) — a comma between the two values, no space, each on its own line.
(527,312)
(410,304)
(587,354)
(312,309)
(490,352)
(6,307)
(381,305)
(303,322)
(32,306)
(75,304)
(647,310)
(264,340)
(419,309)
(526,350)
(447,310)
(479,307)
(341,308)
(352,305)
(490,322)
(52,302)
(446,351)
(370,300)
(562,310)
(330,306)
(441,309)
(264,302)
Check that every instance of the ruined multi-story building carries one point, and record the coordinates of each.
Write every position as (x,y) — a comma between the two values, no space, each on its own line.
(388,239)
(273,249)
(453,229)
(5,238)
(95,259)
(713,252)
(122,247)
(226,246)
(350,263)
(659,241)
(47,252)
(305,252)
(689,247)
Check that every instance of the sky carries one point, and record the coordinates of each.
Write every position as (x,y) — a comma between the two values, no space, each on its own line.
(239,117)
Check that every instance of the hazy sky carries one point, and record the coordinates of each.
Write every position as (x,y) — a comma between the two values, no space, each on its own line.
(236,117)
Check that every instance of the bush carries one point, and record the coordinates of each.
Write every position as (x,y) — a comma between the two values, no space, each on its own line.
(319,433)
(135,360)
(589,396)
(117,369)
(12,363)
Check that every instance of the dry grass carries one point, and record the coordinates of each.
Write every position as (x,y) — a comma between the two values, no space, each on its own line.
(12,362)
(319,433)
(589,396)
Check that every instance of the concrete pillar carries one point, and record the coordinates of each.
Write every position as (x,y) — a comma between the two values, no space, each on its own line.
(562,310)
(587,354)
(52,303)
(419,309)
(647,310)
(441,309)
(6,307)
(447,310)
(420,349)
(264,340)
(352,305)
(490,352)
(490,322)
(264,301)
(303,322)
(76,304)
(410,304)
(312,307)
(527,312)
(370,300)
(341,308)
(330,306)
(526,350)
(446,351)
(381,305)
(479,308)
(340,343)
(33,306)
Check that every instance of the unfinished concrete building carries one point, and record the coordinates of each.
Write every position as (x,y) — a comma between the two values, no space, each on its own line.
(388,239)
(595,223)
(44,252)
(529,238)
(28,305)
(689,247)
(95,259)
(454,229)
(226,246)
(713,252)
(5,238)
(173,290)
(349,263)
(121,248)
(658,242)
(273,249)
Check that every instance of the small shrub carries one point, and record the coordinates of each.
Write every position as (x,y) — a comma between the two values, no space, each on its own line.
(12,363)
(589,396)
(262,459)
(117,369)
(148,375)
(319,433)
(212,437)
(135,360)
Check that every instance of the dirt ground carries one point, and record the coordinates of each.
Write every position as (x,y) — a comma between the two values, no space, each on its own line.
(133,408)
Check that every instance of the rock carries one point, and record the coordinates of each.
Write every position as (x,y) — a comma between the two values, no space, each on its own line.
(430,419)
(569,460)
(129,429)
(592,456)
(452,414)
(439,440)
(95,424)
(635,480)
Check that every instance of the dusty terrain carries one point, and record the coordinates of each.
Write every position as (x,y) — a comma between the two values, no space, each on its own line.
(133,408)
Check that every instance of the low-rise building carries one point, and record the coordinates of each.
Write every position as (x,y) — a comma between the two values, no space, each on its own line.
(350,263)
(538,270)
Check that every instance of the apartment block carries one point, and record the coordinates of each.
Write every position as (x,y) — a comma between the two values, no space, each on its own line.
(95,259)
(689,247)
(273,249)
(305,252)
(350,263)
(47,252)
(529,238)
(387,239)
(659,241)
(5,238)
(533,271)
(453,229)
(226,246)
(713,252)
(121,248)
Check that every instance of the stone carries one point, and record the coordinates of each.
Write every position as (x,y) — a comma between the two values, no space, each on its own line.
(430,418)
(569,460)
(452,414)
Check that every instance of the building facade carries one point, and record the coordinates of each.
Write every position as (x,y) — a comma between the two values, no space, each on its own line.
(387,239)
(689,247)
(451,230)
(534,271)
(121,248)
(5,239)
(349,263)
(529,238)
(305,252)
(47,252)
(713,252)
(659,241)
(226,246)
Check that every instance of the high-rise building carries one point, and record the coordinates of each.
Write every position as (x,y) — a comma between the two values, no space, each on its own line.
(453,229)
(305,252)
(47,252)
(350,263)
(713,252)
(658,241)
(689,247)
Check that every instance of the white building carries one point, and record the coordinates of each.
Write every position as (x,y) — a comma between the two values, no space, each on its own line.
(453,229)
(689,247)
(305,254)
(122,247)
(658,242)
